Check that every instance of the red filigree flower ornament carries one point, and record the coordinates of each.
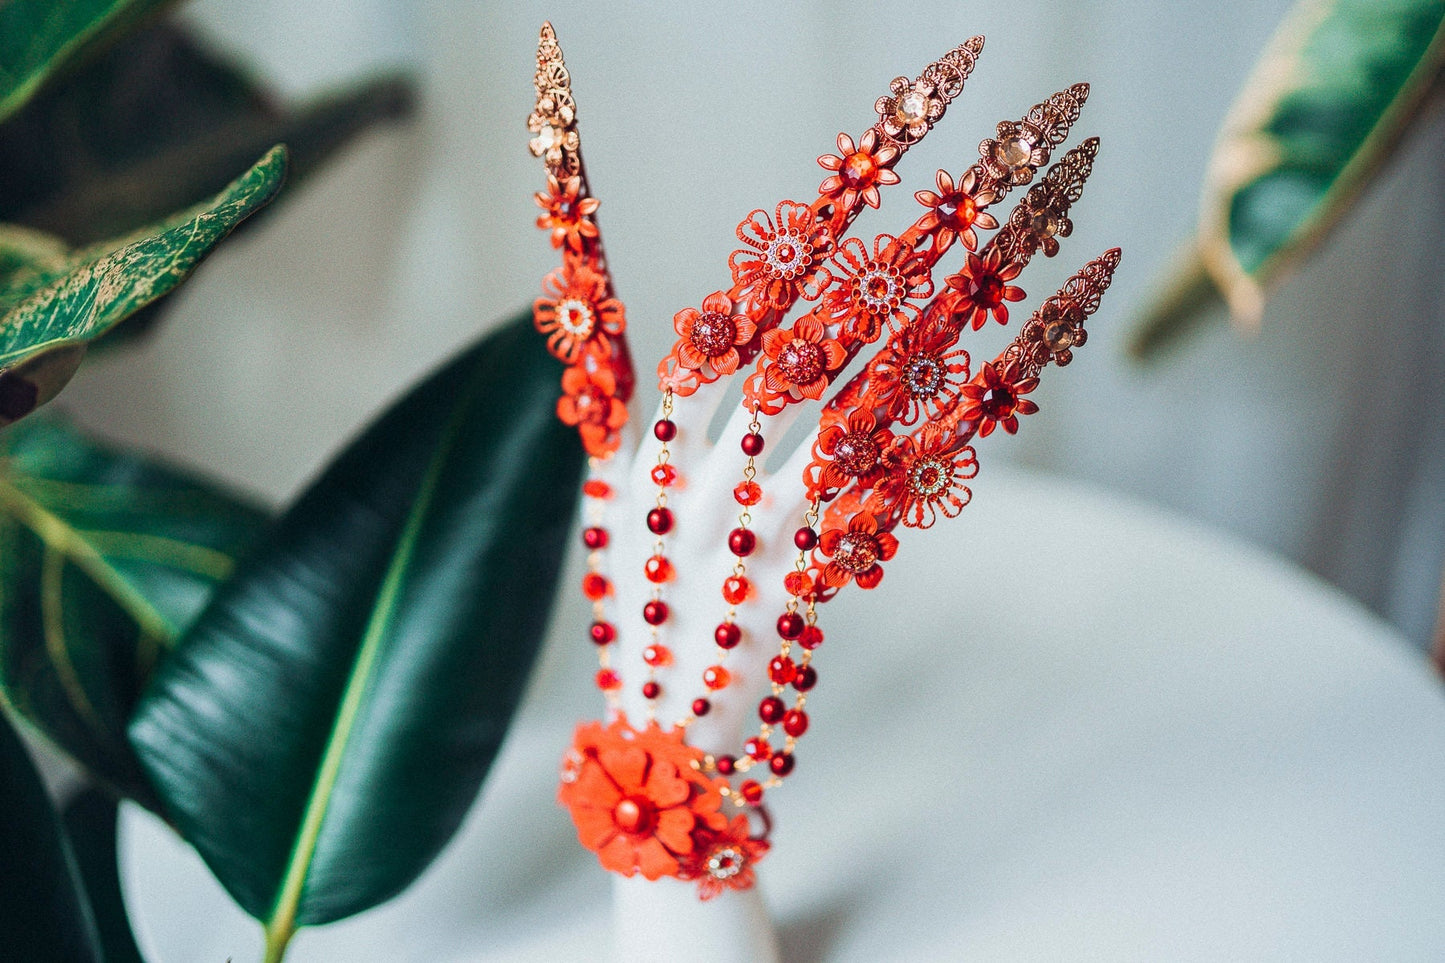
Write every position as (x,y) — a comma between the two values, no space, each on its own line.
(578,316)
(918,372)
(877,289)
(783,258)
(924,478)
(955,210)
(994,399)
(566,214)
(800,359)
(859,170)
(724,860)
(911,111)
(710,338)
(855,552)
(589,402)
(847,450)
(983,288)
(1014,153)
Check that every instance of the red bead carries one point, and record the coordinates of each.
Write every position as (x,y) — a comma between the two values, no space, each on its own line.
(727,635)
(782,670)
(771,710)
(659,521)
(752,444)
(790,625)
(758,748)
(748,493)
(665,430)
(736,589)
(701,707)
(607,680)
(596,488)
(651,690)
(798,584)
(603,633)
(657,655)
(811,638)
(805,538)
(795,722)
(654,612)
(716,677)
(658,569)
(781,764)
(594,538)
(634,815)
(664,475)
(742,542)
(725,765)
(596,587)
(752,792)
(807,678)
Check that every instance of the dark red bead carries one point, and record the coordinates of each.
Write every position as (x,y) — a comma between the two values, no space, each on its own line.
(727,635)
(795,723)
(725,765)
(752,444)
(659,521)
(771,710)
(811,637)
(781,764)
(742,542)
(701,707)
(752,792)
(594,538)
(665,430)
(758,748)
(603,633)
(807,678)
(805,538)
(651,690)
(654,613)
(782,670)
(790,625)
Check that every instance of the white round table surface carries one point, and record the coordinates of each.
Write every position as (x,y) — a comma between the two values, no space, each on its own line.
(1065,727)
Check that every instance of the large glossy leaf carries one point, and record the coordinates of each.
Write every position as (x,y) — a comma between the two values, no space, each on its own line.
(44,914)
(1336,88)
(39,37)
(322,729)
(105,556)
(156,123)
(90,825)
(51,309)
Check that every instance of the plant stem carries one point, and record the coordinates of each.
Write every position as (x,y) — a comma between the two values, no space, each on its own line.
(277,939)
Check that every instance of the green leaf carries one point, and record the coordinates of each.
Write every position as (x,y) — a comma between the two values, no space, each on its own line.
(90,825)
(50,311)
(1339,84)
(44,915)
(39,37)
(157,123)
(105,557)
(322,729)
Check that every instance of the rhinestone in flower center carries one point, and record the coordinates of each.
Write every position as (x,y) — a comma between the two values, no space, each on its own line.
(986,290)
(787,255)
(1014,152)
(713,334)
(923,376)
(929,476)
(575,317)
(998,402)
(856,552)
(859,170)
(1058,335)
(912,108)
(800,362)
(726,863)
(879,289)
(856,453)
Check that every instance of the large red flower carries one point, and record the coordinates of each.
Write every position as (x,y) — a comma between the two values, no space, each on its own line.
(955,211)
(579,316)
(858,169)
(849,448)
(710,338)
(567,216)
(993,399)
(783,257)
(590,402)
(856,552)
(799,359)
(924,477)
(983,288)
(877,289)
(917,371)
(636,798)
(724,860)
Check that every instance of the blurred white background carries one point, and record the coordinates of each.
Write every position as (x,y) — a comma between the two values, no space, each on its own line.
(1322,438)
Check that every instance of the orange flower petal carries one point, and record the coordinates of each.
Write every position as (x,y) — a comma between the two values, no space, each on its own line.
(654,860)
(627,765)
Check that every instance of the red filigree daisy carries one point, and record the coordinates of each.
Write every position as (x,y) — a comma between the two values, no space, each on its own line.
(918,372)
(799,359)
(710,338)
(955,210)
(924,478)
(849,448)
(579,316)
(567,216)
(1053,332)
(590,403)
(877,289)
(859,169)
(783,258)
(994,399)
(724,860)
(855,553)
(983,288)
(636,799)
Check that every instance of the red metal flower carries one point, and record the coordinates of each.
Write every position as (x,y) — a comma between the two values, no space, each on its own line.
(710,338)
(859,170)
(983,288)
(783,260)
(848,448)
(877,289)
(579,316)
(956,210)
(724,860)
(565,214)
(1053,332)
(993,398)
(917,371)
(924,477)
(799,359)
(1013,155)
(856,552)
(591,404)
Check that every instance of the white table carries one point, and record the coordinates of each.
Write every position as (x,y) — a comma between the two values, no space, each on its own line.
(1127,739)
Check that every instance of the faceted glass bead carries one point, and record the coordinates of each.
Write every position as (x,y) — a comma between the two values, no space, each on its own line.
(658,569)
(596,488)
(811,638)
(798,584)
(748,493)
(607,680)
(790,625)
(736,589)
(664,475)
(657,655)
(596,587)
(782,670)
(757,747)
(752,792)
(716,677)
(795,722)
